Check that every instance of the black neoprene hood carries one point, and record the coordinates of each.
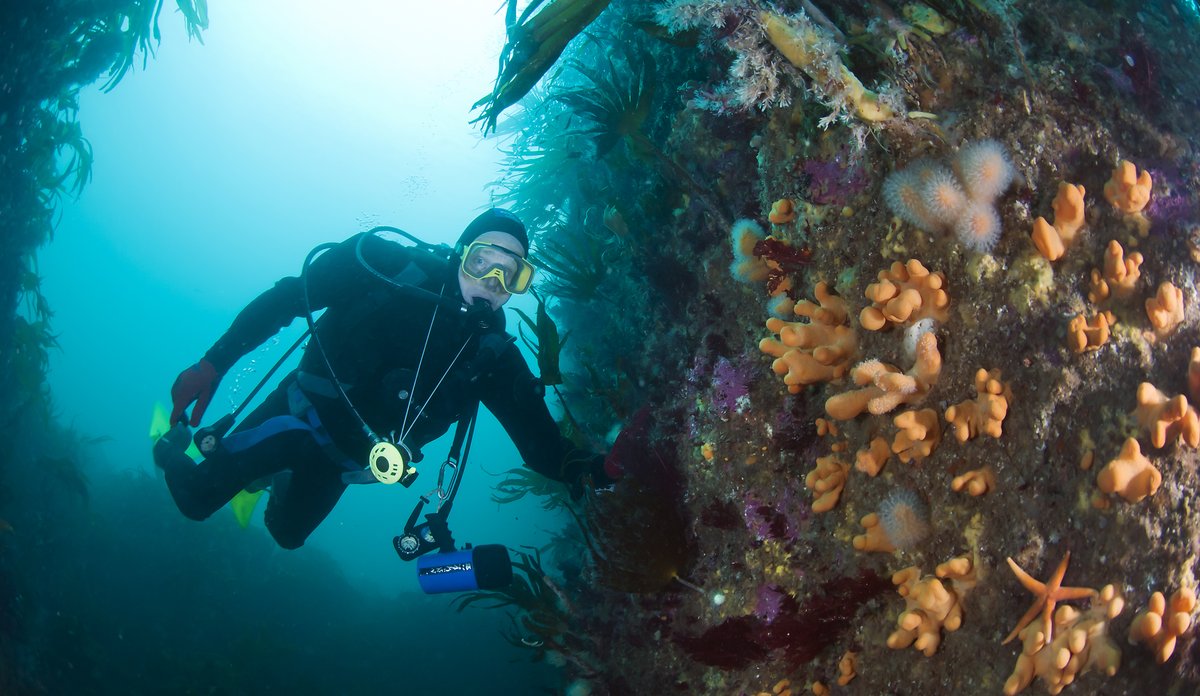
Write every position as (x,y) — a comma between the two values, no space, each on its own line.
(495,220)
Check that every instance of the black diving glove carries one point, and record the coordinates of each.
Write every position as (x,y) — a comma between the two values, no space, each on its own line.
(592,474)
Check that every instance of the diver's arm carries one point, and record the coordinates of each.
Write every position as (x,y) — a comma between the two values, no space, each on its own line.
(514,396)
(331,275)
(260,320)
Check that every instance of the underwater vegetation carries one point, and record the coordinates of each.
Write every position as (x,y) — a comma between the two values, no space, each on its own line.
(48,51)
(951,339)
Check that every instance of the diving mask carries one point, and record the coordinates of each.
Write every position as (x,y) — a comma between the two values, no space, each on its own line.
(482,260)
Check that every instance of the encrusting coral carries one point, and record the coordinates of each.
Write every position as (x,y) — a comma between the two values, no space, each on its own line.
(884,387)
(1166,418)
(1131,475)
(817,351)
(1165,309)
(1120,274)
(905,293)
(1158,627)
(1084,334)
(987,412)
(1052,240)
(1080,643)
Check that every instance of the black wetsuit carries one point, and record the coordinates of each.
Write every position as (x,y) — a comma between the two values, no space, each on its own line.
(372,334)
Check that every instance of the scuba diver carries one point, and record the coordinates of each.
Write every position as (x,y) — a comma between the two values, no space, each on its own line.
(412,340)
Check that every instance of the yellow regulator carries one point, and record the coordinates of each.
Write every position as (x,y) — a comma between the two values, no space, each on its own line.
(389,464)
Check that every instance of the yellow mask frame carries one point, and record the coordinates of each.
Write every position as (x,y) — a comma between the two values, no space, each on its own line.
(514,281)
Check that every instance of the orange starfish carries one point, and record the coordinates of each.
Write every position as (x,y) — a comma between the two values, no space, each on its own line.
(1048,594)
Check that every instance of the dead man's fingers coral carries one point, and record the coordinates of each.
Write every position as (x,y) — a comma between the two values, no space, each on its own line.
(1085,334)
(1127,190)
(826,481)
(1165,309)
(1120,274)
(987,412)
(1162,624)
(1052,240)
(1131,475)
(905,293)
(1166,418)
(920,432)
(976,483)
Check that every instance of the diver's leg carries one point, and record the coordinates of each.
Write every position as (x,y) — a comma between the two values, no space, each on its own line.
(310,493)
(201,489)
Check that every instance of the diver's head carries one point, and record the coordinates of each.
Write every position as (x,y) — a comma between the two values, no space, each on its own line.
(492,252)
(493,220)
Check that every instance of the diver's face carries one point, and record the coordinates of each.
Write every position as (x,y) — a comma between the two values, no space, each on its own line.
(489,289)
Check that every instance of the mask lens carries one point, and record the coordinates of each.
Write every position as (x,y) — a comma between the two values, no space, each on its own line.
(483,260)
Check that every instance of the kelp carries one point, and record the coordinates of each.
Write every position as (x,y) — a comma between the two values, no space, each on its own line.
(547,344)
(48,51)
(539,612)
(520,482)
(535,42)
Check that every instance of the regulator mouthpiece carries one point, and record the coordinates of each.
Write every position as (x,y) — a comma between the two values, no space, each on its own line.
(390,464)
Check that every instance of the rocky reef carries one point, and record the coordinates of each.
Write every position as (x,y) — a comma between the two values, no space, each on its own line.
(910,291)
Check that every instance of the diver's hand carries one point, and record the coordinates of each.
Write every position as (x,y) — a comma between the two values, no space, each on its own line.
(195,384)
(595,475)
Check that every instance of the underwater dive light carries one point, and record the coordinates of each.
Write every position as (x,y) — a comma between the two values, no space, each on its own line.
(389,463)
(485,567)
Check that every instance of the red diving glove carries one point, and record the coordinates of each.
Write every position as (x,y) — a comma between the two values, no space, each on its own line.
(197,383)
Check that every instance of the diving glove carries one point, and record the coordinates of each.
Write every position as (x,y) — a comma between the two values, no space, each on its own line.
(195,384)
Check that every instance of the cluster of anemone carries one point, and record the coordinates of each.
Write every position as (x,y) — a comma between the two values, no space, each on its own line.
(959,198)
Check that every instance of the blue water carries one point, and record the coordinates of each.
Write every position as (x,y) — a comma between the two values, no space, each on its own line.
(216,169)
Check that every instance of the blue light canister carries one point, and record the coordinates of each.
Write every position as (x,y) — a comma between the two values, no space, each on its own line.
(485,567)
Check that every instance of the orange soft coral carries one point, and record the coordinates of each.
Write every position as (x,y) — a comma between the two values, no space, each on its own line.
(1131,475)
(905,293)
(783,211)
(817,351)
(1128,191)
(987,412)
(1165,309)
(826,481)
(1166,418)
(1052,240)
(1120,274)
(884,387)
(1085,334)
(1160,625)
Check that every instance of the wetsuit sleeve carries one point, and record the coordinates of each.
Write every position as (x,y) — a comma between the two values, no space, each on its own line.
(512,395)
(330,275)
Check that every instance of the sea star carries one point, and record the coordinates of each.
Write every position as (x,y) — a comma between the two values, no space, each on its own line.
(1047,594)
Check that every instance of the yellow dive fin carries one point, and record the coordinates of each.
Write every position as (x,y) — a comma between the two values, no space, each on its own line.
(243,506)
(160,423)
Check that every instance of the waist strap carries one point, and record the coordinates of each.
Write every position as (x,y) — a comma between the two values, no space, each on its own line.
(302,416)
